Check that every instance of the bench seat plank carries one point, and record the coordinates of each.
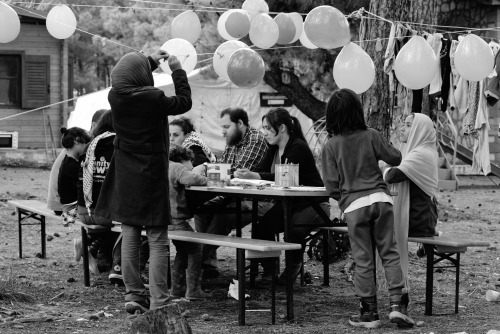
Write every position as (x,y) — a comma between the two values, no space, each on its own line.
(234,242)
(34,206)
(449,242)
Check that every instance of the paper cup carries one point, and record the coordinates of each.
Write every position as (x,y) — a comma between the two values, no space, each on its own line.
(492,296)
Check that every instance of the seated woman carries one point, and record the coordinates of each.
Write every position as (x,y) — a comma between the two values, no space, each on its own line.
(74,140)
(182,133)
(416,181)
(287,145)
(186,271)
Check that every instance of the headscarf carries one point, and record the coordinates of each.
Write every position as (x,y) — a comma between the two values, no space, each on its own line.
(420,165)
(193,139)
(132,74)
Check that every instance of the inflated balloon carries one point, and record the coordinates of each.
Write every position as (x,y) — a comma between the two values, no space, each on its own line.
(183,50)
(327,27)
(238,23)
(246,68)
(221,26)
(186,25)
(299,25)
(254,7)
(306,42)
(61,22)
(416,64)
(474,59)
(264,32)
(10,26)
(286,28)
(222,55)
(354,69)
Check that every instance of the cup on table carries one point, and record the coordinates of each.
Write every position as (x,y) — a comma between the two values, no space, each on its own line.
(286,175)
(217,174)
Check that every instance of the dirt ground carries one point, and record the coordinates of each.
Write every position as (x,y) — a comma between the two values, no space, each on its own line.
(63,305)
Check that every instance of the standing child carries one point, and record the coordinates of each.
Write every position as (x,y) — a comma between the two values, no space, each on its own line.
(353,178)
(186,272)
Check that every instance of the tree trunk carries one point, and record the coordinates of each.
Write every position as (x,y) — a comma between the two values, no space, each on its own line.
(163,320)
(378,101)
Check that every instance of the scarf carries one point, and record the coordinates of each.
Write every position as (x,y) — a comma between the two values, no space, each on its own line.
(193,139)
(420,165)
(88,169)
(132,74)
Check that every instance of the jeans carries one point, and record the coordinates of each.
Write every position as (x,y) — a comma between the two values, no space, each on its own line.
(158,264)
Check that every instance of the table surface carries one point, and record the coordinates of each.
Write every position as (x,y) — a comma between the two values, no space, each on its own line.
(265,191)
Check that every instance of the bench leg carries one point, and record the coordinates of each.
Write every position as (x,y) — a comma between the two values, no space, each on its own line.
(19,225)
(326,259)
(42,233)
(85,246)
(240,259)
(457,282)
(273,290)
(429,280)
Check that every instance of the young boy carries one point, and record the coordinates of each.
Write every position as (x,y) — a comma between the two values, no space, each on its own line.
(186,271)
(353,178)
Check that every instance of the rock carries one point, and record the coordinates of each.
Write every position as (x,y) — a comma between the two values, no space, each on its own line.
(163,320)
(38,255)
(205,317)
(57,235)
(70,280)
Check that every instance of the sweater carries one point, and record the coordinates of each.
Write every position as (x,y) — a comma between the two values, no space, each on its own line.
(423,210)
(67,180)
(350,165)
(179,176)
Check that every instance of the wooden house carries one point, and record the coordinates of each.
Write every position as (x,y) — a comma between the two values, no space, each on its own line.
(34,73)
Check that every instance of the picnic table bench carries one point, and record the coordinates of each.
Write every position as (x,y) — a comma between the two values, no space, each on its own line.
(436,248)
(245,248)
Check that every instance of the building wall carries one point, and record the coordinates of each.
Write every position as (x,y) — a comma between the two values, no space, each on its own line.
(33,128)
(477,14)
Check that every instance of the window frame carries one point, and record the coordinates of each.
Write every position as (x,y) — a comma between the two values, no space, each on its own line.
(22,76)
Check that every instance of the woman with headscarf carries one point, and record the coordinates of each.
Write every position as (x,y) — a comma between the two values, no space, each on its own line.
(415,180)
(135,191)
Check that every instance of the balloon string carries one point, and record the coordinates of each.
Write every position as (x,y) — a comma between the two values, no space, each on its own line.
(44,107)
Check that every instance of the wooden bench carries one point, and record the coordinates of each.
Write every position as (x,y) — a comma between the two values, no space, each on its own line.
(245,249)
(29,210)
(437,249)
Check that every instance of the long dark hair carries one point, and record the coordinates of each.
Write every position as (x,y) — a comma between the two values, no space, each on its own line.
(105,123)
(184,123)
(69,136)
(277,116)
(344,113)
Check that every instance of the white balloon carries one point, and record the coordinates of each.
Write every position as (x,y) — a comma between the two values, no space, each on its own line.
(183,50)
(238,23)
(61,22)
(299,25)
(10,26)
(222,56)
(354,69)
(254,7)
(221,26)
(474,59)
(186,25)
(306,42)
(264,31)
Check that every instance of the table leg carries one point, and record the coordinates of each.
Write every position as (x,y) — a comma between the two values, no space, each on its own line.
(85,247)
(240,259)
(42,230)
(287,218)
(429,282)
(254,264)
(238,217)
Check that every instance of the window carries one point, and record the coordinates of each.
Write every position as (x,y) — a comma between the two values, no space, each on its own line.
(10,80)
(24,80)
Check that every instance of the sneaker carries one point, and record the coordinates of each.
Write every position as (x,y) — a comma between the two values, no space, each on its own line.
(115,275)
(137,306)
(399,313)
(78,248)
(367,317)
(94,269)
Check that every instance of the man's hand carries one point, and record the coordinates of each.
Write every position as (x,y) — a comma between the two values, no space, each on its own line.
(159,54)
(174,63)
(244,173)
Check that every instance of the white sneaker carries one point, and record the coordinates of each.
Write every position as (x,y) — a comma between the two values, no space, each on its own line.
(78,249)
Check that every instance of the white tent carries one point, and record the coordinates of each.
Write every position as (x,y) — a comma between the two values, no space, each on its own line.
(209,96)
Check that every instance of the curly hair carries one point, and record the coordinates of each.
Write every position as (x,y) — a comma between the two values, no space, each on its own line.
(179,154)
(184,123)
